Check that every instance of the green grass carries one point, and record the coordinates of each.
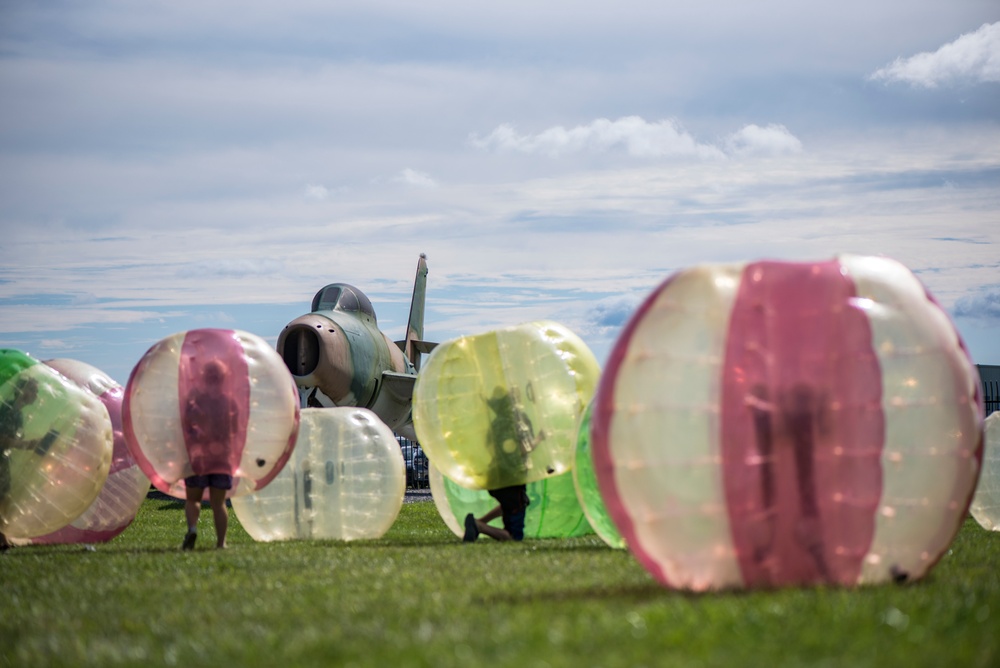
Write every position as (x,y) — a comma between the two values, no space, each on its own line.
(420,597)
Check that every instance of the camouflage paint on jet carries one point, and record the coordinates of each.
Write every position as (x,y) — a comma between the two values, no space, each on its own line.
(339,357)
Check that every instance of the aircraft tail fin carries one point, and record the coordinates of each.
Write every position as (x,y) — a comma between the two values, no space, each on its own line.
(414,343)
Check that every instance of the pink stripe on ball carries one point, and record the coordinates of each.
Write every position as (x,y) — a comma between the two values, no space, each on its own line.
(802,426)
(213,390)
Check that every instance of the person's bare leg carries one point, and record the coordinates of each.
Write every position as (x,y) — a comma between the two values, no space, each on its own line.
(491,515)
(493,532)
(217,497)
(192,506)
(192,511)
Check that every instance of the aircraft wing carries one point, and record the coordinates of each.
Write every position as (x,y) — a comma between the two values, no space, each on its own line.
(394,400)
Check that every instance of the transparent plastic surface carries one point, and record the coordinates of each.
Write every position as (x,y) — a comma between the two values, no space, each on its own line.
(126,486)
(773,424)
(587,491)
(986,503)
(500,408)
(344,481)
(210,401)
(554,511)
(55,447)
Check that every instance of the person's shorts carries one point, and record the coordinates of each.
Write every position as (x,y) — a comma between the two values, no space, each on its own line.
(216,480)
(513,504)
(514,524)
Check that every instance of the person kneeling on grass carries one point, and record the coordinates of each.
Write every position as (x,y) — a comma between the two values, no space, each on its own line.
(217,485)
(513,502)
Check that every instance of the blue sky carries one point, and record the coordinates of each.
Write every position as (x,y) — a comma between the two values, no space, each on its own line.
(172,165)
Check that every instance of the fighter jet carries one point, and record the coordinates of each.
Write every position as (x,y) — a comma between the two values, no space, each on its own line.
(339,357)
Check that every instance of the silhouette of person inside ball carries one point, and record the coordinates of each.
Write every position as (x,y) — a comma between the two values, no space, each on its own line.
(791,427)
(12,437)
(512,438)
(211,419)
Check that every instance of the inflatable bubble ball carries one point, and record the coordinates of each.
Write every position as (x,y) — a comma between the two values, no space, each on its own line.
(554,511)
(126,486)
(587,491)
(210,401)
(500,408)
(986,502)
(344,481)
(55,447)
(777,424)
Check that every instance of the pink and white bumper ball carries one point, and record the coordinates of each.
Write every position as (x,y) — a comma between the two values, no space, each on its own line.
(782,424)
(211,401)
(55,447)
(126,486)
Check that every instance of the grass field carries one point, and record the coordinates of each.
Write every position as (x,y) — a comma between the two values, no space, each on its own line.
(420,597)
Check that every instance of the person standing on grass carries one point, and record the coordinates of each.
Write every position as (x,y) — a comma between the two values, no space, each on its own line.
(211,419)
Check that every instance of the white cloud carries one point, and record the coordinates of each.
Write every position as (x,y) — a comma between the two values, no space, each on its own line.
(973,57)
(640,139)
(611,313)
(636,136)
(414,178)
(316,192)
(214,319)
(233,267)
(770,140)
(45,319)
(56,344)
(984,305)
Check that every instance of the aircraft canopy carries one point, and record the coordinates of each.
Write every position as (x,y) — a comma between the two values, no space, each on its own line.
(343,297)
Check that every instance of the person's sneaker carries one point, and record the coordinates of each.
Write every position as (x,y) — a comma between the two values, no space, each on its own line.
(189,540)
(471,530)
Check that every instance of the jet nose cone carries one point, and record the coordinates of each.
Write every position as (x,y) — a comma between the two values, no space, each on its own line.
(317,355)
(300,345)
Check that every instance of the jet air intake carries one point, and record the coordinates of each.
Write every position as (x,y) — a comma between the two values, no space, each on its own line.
(317,353)
(300,350)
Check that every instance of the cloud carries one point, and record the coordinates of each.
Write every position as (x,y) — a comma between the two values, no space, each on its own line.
(44,320)
(770,140)
(639,138)
(984,306)
(611,313)
(56,344)
(414,178)
(636,136)
(973,57)
(234,267)
(316,192)
(214,318)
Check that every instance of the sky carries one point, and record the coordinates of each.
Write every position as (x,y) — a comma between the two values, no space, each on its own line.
(172,165)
